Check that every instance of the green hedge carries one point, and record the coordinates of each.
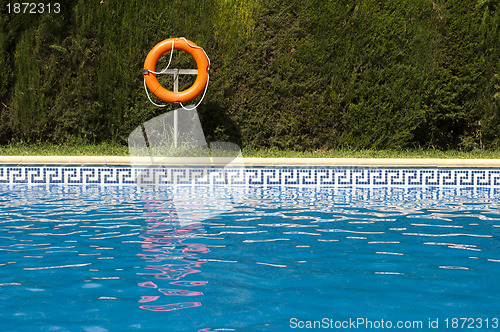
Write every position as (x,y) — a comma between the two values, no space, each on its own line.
(286,74)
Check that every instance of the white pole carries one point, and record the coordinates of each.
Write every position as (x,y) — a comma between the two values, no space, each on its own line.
(176,109)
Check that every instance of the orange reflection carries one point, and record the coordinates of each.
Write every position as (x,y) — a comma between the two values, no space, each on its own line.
(172,255)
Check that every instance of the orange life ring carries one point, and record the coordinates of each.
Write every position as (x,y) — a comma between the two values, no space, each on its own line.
(201,62)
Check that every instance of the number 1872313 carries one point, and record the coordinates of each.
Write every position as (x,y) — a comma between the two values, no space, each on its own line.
(33,8)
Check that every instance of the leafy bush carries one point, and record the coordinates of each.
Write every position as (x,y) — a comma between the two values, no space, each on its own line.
(286,74)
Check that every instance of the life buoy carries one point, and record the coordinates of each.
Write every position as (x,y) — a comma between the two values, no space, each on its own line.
(201,62)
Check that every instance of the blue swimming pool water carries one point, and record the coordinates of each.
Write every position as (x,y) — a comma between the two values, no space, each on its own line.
(117,259)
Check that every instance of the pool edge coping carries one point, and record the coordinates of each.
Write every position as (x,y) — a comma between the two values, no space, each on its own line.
(272,162)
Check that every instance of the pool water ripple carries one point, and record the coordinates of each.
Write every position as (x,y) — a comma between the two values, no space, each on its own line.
(111,259)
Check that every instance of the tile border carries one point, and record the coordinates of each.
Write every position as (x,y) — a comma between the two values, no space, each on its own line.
(249,176)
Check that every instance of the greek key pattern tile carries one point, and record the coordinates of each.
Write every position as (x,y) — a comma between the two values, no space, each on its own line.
(250,176)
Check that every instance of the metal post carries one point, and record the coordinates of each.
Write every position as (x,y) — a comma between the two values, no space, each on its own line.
(176,110)
(176,73)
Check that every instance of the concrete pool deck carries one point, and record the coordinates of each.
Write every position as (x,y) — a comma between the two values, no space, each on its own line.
(340,162)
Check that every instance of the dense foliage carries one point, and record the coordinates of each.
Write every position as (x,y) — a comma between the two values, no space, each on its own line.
(295,74)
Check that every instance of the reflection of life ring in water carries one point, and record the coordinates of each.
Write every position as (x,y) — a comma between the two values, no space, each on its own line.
(170,259)
(201,62)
